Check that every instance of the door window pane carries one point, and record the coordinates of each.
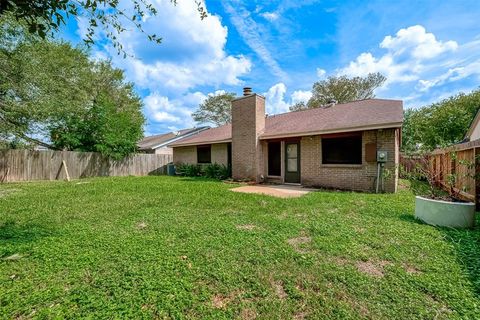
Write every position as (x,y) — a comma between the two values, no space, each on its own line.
(292,165)
(292,151)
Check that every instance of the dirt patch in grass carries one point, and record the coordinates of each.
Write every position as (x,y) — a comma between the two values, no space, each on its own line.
(339,261)
(248,314)
(142,225)
(299,315)
(247,227)
(299,243)
(279,289)
(373,268)
(441,310)
(411,269)
(220,301)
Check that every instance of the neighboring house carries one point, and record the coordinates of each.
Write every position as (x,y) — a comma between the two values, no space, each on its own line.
(158,143)
(334,146)
(473,132)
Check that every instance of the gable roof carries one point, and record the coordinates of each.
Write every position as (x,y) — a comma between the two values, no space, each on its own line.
(353,116)
(472,127)
(160,140)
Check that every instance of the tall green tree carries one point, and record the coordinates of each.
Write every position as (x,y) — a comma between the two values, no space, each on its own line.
(44,16)
(216,109)
(440,124)
(40,82)
(50,89)
(111,124)
(342,89)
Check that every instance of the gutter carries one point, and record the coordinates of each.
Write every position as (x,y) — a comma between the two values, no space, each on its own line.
(199,143)
(163,144)
(316,133)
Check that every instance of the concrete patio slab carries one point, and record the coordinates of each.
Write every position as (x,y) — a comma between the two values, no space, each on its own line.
(280,191)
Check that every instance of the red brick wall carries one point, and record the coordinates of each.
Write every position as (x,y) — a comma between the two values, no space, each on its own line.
(350,177)
(248,122)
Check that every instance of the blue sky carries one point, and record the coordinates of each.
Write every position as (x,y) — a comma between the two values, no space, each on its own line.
(428,50)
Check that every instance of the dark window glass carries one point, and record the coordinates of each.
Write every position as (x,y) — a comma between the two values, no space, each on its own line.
(274,159)
(204,154)
(342,150)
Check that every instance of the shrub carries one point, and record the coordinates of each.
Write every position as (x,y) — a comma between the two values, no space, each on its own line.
(188,170)
(212,171)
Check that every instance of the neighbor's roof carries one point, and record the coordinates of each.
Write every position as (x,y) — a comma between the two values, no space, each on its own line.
(353,116)
(153,142)
(472,126)
(212,135)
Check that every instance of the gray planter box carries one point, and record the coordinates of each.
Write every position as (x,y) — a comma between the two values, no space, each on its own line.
(445,213)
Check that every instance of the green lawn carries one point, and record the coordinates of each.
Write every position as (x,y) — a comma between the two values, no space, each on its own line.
(189,248)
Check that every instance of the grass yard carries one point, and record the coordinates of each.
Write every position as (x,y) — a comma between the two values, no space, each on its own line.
(163,247)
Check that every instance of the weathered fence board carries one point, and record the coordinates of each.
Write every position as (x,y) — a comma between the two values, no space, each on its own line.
(28,165)
(460,164)
(461,161)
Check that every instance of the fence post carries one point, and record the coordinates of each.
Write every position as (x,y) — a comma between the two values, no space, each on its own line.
(476,158)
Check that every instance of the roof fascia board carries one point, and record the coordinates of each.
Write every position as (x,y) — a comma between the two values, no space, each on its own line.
(200,143)
(166,143)
(314,133)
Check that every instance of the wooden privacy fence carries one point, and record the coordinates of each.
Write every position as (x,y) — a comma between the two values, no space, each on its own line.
(28,165)
(458,167)
(409,164)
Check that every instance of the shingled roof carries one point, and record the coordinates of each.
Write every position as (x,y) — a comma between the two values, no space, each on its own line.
(151,142)
(346,117)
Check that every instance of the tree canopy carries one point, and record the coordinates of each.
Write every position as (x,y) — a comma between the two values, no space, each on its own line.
(44,16)
(216,109)
(342,89)
(50,89)
(440,124)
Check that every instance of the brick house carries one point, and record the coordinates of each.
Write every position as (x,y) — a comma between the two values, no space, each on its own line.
(336,146)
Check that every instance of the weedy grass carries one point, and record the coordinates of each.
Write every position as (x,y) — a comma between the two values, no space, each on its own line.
(167,247)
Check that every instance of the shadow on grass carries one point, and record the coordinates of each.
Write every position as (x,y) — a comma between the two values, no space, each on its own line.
(409,218)
(13,233)
(467,245)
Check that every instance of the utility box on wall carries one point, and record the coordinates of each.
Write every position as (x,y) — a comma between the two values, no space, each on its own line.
(370,152)
(382,156)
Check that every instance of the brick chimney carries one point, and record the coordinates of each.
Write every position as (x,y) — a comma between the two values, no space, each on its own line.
(248,122)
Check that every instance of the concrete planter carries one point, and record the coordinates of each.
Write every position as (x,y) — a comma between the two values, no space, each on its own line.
(445,213)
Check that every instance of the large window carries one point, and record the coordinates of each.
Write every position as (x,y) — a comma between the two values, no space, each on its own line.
(274,158)
(342,150)
(204,154)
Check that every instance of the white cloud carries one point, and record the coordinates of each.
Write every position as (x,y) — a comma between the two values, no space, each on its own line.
(301,96)
(248,30)
(415,55)
(270,16)
(421,44)
(192,52)
(192,55)
(321,73)
(275,98)
(176,112)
